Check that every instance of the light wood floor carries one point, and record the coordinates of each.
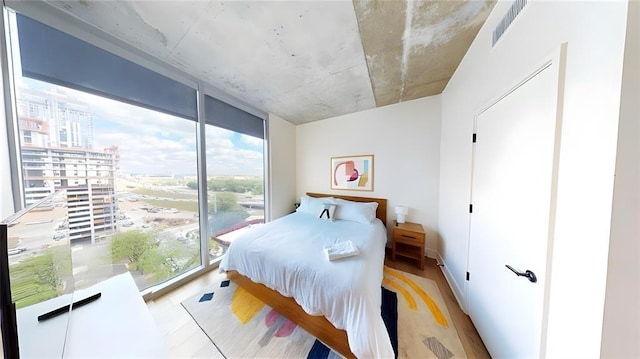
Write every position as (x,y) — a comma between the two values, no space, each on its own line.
(184,339)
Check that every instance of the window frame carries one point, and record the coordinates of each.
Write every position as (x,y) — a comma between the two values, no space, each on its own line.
(55,18)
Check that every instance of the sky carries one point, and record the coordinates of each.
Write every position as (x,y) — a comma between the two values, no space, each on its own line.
(154,143)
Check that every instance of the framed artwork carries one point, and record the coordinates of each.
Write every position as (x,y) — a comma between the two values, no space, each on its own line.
(353,173)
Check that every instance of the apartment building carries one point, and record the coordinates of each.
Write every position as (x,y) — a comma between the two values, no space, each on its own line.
(56,141)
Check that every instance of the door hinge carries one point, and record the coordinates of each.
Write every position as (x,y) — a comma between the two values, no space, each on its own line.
(467,275)
(470,208)
(474,138)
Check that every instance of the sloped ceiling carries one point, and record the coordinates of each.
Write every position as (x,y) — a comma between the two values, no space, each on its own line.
(301,60)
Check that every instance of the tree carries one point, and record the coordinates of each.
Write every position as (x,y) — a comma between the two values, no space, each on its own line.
(257,188)
(253,185)
(153,262)
(162,262)
(131,245)
(192,185)
(224,202)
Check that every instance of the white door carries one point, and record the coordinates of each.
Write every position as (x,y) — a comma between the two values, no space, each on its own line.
(513,198)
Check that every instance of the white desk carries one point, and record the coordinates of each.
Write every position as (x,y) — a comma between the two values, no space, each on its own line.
(117,325)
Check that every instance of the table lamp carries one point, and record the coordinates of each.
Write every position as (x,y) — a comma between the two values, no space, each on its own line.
(401,212)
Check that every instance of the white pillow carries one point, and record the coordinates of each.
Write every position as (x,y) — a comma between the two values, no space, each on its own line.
(328,211)
(313,205)
(361,212)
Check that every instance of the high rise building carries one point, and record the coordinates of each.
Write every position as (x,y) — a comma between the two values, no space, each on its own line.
(115,151)
(56,153)
(68,122)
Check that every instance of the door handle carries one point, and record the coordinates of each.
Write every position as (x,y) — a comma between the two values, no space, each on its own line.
(529,274)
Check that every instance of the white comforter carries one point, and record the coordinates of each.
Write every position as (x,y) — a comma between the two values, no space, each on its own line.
(287,255)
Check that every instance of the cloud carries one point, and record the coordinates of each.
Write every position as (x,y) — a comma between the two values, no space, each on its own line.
(226,157)
(146,154)
(156,143)
(252,141)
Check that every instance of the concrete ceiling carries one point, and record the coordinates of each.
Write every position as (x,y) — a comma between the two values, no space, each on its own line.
(300,60)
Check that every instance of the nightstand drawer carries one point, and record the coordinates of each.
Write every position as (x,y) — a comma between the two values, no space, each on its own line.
(405,236)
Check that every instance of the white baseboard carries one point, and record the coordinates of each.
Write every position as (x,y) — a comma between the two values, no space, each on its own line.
(457,291)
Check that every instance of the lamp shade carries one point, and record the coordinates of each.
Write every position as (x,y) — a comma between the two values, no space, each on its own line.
(401,212)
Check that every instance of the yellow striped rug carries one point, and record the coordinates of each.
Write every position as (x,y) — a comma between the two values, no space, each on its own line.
(241,326)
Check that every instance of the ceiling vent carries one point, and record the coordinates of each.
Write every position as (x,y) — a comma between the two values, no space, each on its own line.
(508,18)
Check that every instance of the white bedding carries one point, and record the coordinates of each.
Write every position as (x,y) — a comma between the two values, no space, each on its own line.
(287,255)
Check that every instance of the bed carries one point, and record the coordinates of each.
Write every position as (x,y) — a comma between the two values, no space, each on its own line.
(283,264)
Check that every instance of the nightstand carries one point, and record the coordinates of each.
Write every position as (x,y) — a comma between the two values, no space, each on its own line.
(408,241)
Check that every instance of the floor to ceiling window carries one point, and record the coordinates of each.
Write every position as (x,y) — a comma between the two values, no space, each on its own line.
(108,154)
(124,172)
(235,173)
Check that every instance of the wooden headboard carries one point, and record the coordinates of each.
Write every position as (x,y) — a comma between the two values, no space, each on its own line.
(381,212)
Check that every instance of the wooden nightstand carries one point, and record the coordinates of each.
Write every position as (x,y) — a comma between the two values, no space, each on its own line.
(408,241)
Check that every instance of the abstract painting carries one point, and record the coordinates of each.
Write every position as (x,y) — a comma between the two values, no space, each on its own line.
(352,173)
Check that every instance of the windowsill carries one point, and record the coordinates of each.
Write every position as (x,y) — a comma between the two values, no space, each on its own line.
(174,283)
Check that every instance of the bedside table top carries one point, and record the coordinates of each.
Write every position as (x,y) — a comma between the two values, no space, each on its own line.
(408,226)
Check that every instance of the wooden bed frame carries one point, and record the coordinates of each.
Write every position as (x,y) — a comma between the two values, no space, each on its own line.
(318,326)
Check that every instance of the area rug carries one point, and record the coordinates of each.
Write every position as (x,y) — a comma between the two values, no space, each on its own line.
(241,326)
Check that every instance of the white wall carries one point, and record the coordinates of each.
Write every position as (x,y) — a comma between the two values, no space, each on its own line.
(404,139)
(282,171)
(595,33)
(621,329)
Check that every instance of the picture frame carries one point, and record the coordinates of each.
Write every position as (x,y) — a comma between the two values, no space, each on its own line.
(352,173)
